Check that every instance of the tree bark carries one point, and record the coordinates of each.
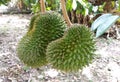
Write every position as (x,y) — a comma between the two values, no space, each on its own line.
(42,6)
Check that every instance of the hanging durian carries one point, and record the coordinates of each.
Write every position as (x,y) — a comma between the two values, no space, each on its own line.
(31,25)
(44,28)
(73,51)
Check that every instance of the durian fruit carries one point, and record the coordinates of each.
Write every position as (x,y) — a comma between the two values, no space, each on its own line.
(31,25)
(44,28)
(73,51)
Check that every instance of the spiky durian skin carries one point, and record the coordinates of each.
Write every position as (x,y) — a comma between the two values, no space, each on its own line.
(73,51)
(47,27)
(33,18)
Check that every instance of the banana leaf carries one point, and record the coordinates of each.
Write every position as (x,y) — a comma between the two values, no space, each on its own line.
(100,20)
(106,24)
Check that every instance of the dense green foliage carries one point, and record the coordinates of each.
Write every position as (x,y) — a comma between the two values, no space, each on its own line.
(44,28)
(73,51)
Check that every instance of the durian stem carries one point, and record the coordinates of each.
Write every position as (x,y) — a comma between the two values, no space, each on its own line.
(64,11)
(42,5)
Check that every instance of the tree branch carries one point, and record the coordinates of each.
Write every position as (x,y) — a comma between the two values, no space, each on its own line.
(42,5)
(64,11)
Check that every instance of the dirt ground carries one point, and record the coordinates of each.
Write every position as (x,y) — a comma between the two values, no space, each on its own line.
(105,67)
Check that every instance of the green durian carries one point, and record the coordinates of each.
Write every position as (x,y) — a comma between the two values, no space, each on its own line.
(44,28)
(73,51)
(31,25)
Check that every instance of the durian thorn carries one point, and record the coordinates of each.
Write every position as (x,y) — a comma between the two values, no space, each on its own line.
(64,11)
(42,5)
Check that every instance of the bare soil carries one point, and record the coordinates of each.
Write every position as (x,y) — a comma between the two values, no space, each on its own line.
(105,67)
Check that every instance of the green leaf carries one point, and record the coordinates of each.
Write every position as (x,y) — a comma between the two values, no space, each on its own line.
(74,5)
(69,5)
(25,68)
(82,2)
(118,4)
(100,20)
(106,24)
(4,2)
(26,2)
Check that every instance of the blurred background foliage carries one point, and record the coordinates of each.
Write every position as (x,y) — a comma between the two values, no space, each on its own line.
(5,2)
(79,11)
